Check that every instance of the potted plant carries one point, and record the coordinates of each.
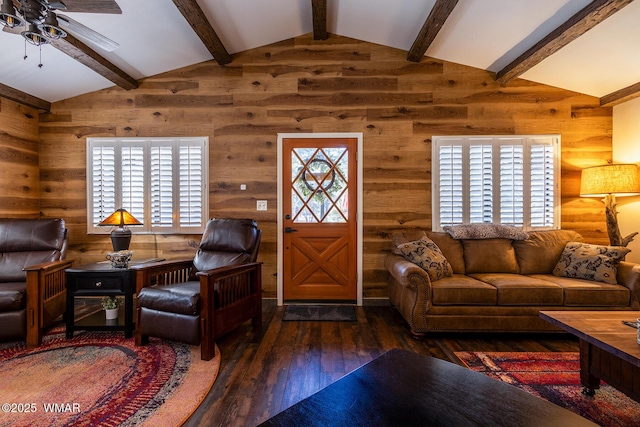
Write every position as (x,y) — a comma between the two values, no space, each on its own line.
(110,305)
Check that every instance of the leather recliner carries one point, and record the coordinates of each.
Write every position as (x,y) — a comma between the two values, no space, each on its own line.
(198,300)
(32,277)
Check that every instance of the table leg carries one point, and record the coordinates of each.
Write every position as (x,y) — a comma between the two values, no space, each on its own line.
(590,382)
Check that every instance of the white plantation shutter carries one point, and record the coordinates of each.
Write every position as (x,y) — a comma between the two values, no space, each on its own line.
(102,183)
(450,194)
(511,185)
(132,161)
(191,177)
(161,181)
(491,179)
(480,183)
(162,191)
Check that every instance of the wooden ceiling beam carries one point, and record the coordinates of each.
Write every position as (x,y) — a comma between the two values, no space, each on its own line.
(432,26)
(93,60)
(587,18)
(319,12)
(24,98)
(200,24)
(623,95)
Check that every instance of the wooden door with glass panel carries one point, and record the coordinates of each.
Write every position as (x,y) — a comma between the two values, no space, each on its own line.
(319,208)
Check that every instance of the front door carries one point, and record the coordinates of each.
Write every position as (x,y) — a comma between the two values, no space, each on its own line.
(319,224)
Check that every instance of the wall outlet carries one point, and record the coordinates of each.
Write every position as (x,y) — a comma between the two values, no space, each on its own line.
(261,205)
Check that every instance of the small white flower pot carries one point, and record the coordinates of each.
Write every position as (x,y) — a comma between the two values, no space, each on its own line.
(111,313)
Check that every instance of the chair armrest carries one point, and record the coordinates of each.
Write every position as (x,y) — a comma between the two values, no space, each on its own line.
(629,276)
(229,296)
(231,283)
(46,296)
(162,273)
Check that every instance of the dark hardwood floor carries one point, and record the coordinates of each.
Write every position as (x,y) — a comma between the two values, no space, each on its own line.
(264,372)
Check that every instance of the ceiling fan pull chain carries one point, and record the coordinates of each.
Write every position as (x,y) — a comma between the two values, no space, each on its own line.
(40,64)
(25,50)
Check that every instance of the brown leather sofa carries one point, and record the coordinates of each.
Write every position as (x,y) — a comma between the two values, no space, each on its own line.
(198,300)
(500,285)
(32,278)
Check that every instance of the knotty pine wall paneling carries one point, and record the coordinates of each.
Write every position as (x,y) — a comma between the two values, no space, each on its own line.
(19,161)
(302,85)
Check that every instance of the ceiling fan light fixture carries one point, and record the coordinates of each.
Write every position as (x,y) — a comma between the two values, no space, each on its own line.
(51,28)
(8,15)
(34,36)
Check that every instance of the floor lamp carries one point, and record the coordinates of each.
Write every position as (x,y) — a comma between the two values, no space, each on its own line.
(609,181)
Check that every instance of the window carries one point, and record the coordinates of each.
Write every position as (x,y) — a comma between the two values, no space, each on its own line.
(160,181)
(510,180)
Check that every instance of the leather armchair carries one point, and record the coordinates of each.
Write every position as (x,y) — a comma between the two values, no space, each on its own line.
(32,276)
(201,299)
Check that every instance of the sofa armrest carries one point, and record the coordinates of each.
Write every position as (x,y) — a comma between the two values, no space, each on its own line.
(46,296)
(410,291)
(405,272)
(629,276)
(162,273)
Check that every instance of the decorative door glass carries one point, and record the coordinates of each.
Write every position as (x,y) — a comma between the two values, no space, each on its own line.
(319,185)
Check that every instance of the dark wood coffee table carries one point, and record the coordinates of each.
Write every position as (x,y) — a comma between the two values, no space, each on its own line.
(609,350)
(401,388)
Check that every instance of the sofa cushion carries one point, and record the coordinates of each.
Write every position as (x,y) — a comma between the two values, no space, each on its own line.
(12,296)
(426,254)
(587,293)
(489,256)
(463,290)
(451,248)
(516,289)
(590,262)
(405,236)
(485,231)
(540,252)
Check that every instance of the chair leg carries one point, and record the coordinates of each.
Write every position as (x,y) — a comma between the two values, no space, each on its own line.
(141,339)
(207,341)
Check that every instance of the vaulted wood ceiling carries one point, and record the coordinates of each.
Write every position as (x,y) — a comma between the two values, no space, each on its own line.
(578,24)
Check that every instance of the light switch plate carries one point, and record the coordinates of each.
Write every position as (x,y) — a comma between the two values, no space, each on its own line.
(261,205)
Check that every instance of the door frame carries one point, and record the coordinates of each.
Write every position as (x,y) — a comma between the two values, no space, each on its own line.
(359,226)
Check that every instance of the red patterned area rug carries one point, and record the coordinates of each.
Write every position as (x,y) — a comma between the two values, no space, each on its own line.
(556,377)
(102,379)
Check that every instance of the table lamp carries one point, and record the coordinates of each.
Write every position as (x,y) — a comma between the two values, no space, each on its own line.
(121,236)
(609,181)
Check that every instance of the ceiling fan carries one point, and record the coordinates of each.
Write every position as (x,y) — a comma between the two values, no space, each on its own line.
(42,22)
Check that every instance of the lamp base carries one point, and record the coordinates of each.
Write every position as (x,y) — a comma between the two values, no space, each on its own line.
(120,239)
(613,230)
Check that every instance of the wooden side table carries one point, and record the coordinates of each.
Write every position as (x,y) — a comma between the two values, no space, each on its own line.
(100,280)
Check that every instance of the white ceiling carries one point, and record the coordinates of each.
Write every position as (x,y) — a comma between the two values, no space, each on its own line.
(487,34)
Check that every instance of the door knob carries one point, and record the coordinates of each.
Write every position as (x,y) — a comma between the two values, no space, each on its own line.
(289,230)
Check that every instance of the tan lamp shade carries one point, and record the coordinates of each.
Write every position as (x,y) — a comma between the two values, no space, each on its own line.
(618,180)
(121,236)
(120,218)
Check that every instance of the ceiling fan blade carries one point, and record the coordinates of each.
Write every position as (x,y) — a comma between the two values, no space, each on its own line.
(91,6)
(77,29)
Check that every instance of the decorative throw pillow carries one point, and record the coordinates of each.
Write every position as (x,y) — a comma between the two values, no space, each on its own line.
(590,262)
(485,231)
(426,254)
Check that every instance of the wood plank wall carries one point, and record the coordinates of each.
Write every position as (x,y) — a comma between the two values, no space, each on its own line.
(19,162)
(302,85)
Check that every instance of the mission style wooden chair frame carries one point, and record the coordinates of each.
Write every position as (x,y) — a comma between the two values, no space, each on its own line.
(229,296)
(46,297)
